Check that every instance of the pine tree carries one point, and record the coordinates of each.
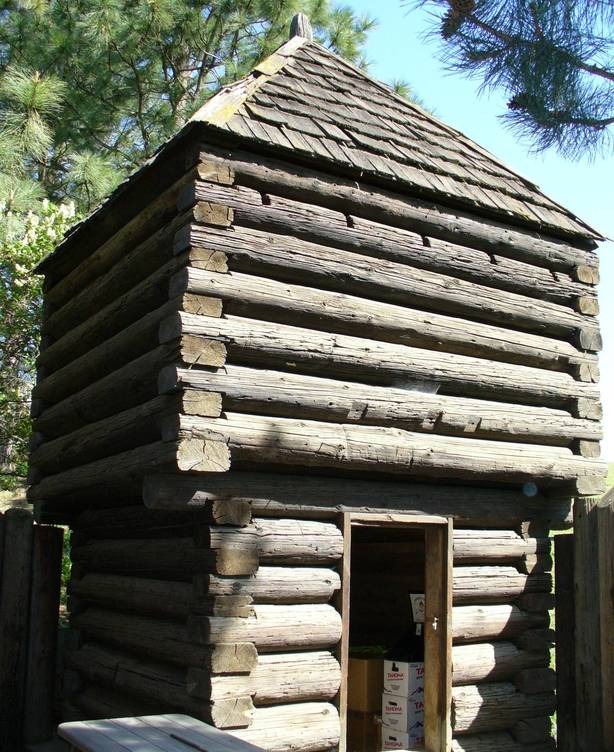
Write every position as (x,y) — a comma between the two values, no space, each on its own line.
(552,58)
(129,73)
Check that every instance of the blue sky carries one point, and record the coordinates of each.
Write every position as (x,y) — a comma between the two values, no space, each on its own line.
(398,49)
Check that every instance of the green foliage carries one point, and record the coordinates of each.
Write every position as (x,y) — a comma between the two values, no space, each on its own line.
(610,479)
(552,58)
(125,75)
(24,240)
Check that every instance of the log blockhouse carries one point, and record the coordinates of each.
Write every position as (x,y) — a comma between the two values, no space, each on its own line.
(317,314)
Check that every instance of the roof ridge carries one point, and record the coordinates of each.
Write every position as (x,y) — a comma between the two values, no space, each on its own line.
(227,101)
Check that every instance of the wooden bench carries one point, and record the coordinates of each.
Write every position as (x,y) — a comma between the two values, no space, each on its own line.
(152,733)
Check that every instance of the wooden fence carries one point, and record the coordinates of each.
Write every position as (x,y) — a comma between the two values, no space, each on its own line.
(585,628)
(30,566)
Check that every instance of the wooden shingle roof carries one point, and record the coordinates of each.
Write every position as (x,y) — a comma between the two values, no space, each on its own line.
(306,100)
(308,104)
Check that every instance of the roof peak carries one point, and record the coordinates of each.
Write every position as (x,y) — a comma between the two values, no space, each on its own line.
(300,26)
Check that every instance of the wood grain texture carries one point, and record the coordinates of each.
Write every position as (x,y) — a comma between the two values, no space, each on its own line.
(301,496)
(358,358)
(286,394)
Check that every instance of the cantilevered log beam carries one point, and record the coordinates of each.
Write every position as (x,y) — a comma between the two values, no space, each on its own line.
(324,497)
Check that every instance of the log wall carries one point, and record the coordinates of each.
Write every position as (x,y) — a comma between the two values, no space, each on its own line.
(260,316)
(250,347)
(239,640)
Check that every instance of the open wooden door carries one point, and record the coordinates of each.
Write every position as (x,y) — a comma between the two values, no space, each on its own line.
(437,532)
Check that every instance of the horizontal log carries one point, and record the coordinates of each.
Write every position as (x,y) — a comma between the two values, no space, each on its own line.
(297,727)
(140,522)
(313,497)
(319,226)
(146,296)
(536,639)
(483,623)
(502,742)
(533,730)
(136,339)
(285,394)
(131,269)
(251,296)
(495,707)
(370,202)
(153,218)
(298,541)
(273,628)
(134,594)
(341,355)
(275,585)
(479,546)
(277,678)
(125,471)
(465,262)
(484,662)
(480,584)
(130,385)
(532,680)
(157,683)
(282,441)
(536,601)
(176,558)
(165,640)
(119,432)
(318,265)
(154,681)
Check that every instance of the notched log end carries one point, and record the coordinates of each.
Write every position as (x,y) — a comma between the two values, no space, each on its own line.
(203,456)
(216,215)
(215,172)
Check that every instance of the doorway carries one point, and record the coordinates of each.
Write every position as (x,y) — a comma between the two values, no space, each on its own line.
(386,558)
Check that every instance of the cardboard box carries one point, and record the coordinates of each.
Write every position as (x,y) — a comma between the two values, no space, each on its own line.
(402,713)
(363,731)
(365,684)
(405,679)
(403,740)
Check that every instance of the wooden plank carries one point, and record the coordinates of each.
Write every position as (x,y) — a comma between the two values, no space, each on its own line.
(342,650)
(605,522)
(565,643)
(485,623)
(176,558)
(269,392)
(438,636)
(277,678)
(493,661)
(308,496)
(14,617)
(141,594)
(39,715)
(394,520)
(589,726)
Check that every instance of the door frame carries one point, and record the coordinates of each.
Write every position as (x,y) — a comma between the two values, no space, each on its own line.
(437,619)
